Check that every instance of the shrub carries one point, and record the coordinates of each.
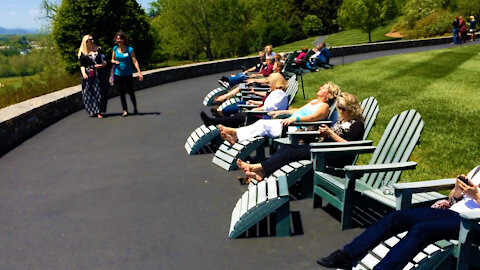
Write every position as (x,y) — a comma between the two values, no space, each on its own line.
(312,25)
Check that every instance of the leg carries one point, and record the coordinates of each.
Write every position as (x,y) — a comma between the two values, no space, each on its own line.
(271,128)
(228,121)
(228,95)
(418,237)
(285,155)
(393,223)
(131,93)
(120,84)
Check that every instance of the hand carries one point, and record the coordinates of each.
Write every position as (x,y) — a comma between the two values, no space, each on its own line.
(325,130)
(98,66)
(116,62)
(288,121)
(249,81)
(471,190)
(140,76)
(275,114)
(85,76)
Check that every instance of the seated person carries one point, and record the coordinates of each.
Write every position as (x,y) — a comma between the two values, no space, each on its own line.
(349,127)
(275,100)
(269,52)
(236,90)
(278,60)
(322,57)
(424,226)
(302,55)
(235,79)
(316,109)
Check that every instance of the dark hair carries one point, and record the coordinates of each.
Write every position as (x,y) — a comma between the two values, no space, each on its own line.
(122,36)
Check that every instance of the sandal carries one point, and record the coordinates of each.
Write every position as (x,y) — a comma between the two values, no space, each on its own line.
(124,114)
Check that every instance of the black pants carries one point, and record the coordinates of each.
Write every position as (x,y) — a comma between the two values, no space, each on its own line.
(125,85)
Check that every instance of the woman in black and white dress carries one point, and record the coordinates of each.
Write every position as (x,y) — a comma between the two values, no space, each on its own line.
(94,77)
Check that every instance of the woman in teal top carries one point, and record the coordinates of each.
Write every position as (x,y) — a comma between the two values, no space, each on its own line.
(123,57)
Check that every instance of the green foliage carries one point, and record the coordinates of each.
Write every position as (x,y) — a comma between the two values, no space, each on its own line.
(101,18)
(312,25)
(442,85)
(435,24)
(468,7)
(275,33)
(414,10)
(366,14)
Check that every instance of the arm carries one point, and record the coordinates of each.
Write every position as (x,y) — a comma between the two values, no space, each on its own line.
(84,73)
(113,59)
(275,114)
(135,63)
(320,113)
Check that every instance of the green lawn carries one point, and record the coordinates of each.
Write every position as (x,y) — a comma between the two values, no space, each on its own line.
(442,85)
(355,36)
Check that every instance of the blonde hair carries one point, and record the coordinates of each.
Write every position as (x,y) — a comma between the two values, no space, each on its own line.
(83,46)
(278,81)
(333,90)
(268,48)
(351,105)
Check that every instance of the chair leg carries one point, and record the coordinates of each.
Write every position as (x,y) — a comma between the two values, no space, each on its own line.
(282,219)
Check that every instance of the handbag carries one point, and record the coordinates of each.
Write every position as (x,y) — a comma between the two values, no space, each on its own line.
(111,80)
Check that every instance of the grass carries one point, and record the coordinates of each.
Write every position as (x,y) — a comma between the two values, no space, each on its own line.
(356,36)
(295,46)
(441,85)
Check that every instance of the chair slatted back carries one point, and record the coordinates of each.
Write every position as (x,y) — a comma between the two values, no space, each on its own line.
(396,145)
(289,61)
(369,112)
(291,89)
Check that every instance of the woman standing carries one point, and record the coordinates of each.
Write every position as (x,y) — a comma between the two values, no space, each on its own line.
(94,83)
(123,56)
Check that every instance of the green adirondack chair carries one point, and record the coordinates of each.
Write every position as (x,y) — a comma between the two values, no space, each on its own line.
(389,159)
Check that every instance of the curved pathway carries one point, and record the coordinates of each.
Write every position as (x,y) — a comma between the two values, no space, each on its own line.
(121,193)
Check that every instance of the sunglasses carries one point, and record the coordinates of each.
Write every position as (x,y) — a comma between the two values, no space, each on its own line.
(341,108)
(90,39)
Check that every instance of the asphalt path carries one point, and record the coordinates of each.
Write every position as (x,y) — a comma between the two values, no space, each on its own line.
(122,193)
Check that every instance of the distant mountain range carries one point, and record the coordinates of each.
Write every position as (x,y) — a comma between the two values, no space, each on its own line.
(17,31)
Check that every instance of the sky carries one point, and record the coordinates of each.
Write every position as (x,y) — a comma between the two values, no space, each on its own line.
(26,14)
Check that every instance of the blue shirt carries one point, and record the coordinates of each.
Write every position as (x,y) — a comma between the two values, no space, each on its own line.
(125,68)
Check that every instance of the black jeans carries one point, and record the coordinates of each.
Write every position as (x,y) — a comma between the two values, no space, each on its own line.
(125,85)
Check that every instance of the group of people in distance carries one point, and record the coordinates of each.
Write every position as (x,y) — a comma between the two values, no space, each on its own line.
(459,30)
(319,59)
(95,77)
(424,225)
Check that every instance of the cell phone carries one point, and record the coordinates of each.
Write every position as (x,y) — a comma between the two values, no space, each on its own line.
(463,179)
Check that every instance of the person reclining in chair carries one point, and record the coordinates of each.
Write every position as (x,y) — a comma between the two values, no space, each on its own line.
(349,127)
(424,226)
(275,99)
(235,79)
(317,109)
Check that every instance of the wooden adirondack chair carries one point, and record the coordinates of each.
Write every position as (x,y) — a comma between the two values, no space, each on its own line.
(296,170)
(207,139)
(388,161)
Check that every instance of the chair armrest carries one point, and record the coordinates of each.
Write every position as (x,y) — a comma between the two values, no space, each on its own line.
(296,135)
(256,112)
(246,106)
(341,144)
(314,123)
(319,154)
(375,168)
(403,191)
(425,186)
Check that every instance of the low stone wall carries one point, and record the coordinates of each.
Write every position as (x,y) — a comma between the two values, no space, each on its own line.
(23,120)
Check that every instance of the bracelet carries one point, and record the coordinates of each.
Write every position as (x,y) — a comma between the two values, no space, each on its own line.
(298,119)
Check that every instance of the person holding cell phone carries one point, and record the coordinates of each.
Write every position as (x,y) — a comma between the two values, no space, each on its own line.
(94,80)
(424,226)
(349,127)
(123,57)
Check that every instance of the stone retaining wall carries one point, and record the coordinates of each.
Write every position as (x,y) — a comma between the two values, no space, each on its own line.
(23,120)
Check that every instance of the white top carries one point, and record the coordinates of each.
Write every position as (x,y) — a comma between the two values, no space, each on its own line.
(467,203)
(276,100)
(270,55)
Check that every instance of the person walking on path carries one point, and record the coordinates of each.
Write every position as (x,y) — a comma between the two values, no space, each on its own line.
(455,31)
(94,80)
(462,27)
(123,57)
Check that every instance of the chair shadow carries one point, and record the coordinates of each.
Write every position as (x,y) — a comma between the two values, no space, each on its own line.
(266,227)
(107,115)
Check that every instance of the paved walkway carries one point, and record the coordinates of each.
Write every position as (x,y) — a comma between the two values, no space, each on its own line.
(121,193)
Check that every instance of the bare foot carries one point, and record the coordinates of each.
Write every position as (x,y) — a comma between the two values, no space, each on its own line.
(244,165)
(229,138)
(256,175)
(228,134)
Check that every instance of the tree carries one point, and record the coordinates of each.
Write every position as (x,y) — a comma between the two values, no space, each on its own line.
(102,18)
(366,14)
